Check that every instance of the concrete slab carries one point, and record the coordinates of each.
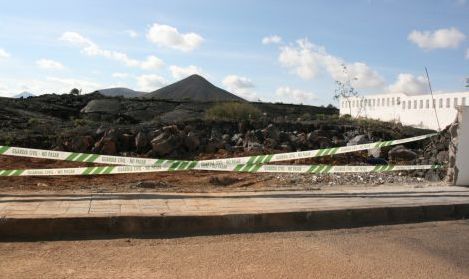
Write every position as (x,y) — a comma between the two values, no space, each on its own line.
(50,215)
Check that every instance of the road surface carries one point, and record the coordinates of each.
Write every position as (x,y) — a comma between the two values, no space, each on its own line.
(426,250)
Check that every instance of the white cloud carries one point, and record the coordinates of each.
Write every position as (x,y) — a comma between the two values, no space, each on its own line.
(4,90)
(441,38)
(152,62)
(182,72)
(90,48)
(150,82)
(120,75)
(274,39)
(49,64)
(168,36)
(240,86)
(64,85)
(131,33)
(4,54)
(235,81)
(291,95)
(308,60)
(409,84)
(50,84)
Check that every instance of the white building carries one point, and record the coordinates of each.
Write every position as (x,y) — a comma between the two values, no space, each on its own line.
(417,111)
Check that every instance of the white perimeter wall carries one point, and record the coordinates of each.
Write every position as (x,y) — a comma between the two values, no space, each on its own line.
(462,153)
(409,110)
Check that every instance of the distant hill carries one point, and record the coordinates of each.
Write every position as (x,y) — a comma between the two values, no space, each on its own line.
(193,88)
(24,94)
(120,91)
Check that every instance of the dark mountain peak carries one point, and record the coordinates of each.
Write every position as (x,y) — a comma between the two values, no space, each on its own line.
(196,77)
(194,88)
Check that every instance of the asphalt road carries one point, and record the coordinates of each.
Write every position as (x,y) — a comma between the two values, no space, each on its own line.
(427,250)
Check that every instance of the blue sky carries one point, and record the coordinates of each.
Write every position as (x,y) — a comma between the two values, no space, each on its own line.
(289,51)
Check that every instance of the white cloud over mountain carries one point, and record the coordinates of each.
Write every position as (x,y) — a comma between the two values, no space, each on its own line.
(182,72)
(409,84)
(49,64)
(168,36)
(291,95)
(308,60)
(241,86)
(441,38)
(90,48)
(150,82)
(274,39)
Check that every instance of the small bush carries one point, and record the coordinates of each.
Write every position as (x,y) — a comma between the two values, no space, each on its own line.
(33,121)
(80,122)
(346,117)
(233,111)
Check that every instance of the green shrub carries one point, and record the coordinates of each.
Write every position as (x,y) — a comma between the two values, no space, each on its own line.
(80,122)
(233,111)
(33,121)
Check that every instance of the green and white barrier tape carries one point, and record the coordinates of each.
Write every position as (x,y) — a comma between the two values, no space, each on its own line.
(317,169)
(135,161)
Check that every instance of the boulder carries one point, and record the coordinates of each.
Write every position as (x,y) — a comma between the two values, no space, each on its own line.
(191,141)
(82,144)
(226,138)
(442,157)
(400,153)
(165,145)
(432,176)
(125,142)
(271,132)
(141,142)
(375,152)
(270,143)
(167,141)
(250,138)
(235,138)
(257,147)
(301,139)
(213,145)
(103,106)
(107,146)
(172,129)
(360,139)
(323,142)
(216,133)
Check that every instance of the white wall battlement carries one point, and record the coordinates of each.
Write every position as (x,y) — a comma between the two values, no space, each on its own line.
(415,110)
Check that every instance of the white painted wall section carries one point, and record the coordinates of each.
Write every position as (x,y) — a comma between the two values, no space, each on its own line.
(462,154)
(417,111)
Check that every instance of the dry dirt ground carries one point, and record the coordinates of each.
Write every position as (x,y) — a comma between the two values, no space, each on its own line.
(427,250)
(186,181)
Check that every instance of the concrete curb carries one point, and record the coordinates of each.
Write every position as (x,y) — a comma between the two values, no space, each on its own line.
(50,228)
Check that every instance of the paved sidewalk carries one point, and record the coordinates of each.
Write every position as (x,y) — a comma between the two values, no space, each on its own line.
(31,205)
(91,215)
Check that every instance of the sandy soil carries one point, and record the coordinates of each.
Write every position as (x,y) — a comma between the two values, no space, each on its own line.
(192,181)
(187,181)
(428,250)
